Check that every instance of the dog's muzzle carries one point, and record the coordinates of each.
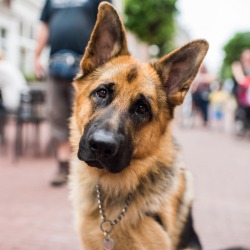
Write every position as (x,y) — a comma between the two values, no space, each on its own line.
(105,149)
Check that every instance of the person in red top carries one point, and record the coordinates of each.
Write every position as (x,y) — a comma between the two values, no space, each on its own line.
(241,74)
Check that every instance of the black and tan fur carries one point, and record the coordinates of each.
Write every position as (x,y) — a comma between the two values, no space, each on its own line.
(121,139)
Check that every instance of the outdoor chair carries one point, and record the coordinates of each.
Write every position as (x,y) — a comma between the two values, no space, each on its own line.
(30,115)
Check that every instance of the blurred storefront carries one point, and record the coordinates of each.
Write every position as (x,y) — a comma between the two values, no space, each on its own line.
(18,28)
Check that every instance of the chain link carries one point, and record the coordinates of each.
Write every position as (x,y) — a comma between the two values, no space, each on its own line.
(107,225)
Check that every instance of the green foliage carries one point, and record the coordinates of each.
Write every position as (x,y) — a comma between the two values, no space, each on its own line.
(153,21)
(232,50)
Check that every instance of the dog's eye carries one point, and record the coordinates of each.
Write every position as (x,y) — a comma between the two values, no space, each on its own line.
(102,93)
(141,109)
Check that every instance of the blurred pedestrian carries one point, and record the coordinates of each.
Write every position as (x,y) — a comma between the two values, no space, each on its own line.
(218,100)
(66,26)
(241,74)
(201,90)
(12,84)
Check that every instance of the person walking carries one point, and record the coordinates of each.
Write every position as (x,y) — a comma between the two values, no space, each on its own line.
(66,26)
(241,77)
(201,90)
(12,84)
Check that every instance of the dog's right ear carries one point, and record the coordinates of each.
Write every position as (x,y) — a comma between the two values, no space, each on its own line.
(108,39)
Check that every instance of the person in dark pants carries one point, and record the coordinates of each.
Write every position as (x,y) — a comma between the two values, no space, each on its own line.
(201,91)
(66,26)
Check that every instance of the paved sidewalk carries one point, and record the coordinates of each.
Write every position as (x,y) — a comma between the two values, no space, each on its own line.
(35,216)
(221,167)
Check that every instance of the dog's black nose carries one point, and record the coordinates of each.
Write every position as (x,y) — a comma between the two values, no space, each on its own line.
(103,144)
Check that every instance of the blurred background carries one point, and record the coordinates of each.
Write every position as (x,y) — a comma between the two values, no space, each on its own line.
(212,126)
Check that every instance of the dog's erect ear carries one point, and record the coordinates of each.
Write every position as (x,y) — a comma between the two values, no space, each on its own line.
(178,69)
(107,41)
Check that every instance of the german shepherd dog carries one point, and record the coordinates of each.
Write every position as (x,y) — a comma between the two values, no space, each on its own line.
(128,186)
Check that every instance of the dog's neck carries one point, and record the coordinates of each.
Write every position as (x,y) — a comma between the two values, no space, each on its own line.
(117,187)
(149,195)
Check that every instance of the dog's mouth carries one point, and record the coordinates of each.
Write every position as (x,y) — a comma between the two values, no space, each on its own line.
(96,164)
(100,165)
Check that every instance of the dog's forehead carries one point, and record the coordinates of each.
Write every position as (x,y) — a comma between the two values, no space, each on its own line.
(128,73)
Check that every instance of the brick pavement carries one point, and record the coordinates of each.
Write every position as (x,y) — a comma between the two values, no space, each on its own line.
(35,216)
(221,168)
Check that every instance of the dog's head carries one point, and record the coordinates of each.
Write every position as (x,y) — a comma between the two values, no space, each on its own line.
(123,107)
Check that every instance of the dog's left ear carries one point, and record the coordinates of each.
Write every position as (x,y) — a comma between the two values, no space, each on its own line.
(107,41)
(178,69)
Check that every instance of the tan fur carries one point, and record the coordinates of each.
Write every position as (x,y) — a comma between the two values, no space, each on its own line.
(155,177)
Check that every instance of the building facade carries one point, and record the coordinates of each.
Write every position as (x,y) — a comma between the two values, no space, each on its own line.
(19,24)
(18,29)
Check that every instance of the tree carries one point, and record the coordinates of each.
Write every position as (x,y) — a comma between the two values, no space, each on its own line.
(153,21)
(232,50)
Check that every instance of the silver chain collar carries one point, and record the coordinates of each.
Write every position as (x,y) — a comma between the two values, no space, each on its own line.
(107,225)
